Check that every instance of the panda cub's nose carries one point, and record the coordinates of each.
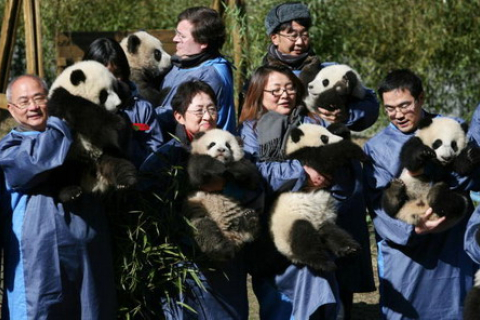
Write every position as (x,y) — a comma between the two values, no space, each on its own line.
(222,150)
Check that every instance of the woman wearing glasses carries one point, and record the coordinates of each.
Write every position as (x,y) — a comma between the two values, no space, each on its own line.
(224,295)
(287,25)
(273,106)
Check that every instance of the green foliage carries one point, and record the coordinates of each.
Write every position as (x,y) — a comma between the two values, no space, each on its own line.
(149,263)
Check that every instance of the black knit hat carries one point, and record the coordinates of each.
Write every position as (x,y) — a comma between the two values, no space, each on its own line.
(285,12)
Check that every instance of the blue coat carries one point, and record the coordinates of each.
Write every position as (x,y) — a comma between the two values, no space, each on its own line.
(224,295)
(217,73)
(471,245)
(421,276)
(57,257)
(144,141)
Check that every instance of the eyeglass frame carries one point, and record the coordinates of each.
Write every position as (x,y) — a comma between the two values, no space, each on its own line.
(283,90)
(212,111)
(30,100)
(403,107)
(294,38)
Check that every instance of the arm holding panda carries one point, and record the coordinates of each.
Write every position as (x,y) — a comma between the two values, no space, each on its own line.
(363,113)
(27,158)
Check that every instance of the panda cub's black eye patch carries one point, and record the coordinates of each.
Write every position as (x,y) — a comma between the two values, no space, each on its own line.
(157,54)
(228,145)
(325,82)
(437,144)
(454,146)
(324,139)
(103,96)
(211,145)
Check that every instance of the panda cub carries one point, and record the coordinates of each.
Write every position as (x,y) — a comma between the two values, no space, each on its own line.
(302,224)
(223,226)
(331,87)
(84,96)
(442,141)
(149,63)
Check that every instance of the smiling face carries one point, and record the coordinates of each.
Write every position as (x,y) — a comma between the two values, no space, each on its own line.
(27,90)
(201,104)
(186,45)
(403,110)
(293,40)
(283,104)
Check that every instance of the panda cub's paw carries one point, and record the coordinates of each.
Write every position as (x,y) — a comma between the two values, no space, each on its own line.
(467,160)
(414,154)
(394,197)
(70,193)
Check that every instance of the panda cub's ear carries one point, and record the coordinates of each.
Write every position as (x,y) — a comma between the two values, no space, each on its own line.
(464,126)
(133,44)
(425,122)
(339,129)
(296,134)
(198,135)
(77,76)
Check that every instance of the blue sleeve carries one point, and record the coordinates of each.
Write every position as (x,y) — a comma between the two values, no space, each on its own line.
(363,113)
(146,115)
(221,82)
(376,178)
(471,244)
(474,131)
(26,157)
(277,175)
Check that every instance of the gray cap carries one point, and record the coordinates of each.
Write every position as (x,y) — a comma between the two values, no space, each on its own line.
(285,12)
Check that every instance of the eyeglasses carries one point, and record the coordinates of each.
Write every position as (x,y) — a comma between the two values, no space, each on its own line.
(294,36)
(278,92)
(38,101)
(403,108)
(199,113)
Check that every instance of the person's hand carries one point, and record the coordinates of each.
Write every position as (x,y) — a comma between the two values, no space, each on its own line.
(316,180)
(424,225)
(332,116)
(215,184)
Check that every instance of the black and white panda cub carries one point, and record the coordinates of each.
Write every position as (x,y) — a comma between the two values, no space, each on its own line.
(302,224)
(84,96)
(443,141)
(223,225)
(149,63)
(331,87)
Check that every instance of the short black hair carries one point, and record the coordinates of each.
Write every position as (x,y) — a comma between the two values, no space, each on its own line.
(108,51)
(187,91)
(401,79)
(208,27)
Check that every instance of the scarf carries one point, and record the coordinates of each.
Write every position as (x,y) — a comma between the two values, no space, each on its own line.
(193,60)
(273,129)
(294,62)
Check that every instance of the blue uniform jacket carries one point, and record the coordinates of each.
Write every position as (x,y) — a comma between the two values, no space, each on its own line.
(217,73)
(224,295)
(57,257)
(144,140)
(421,276)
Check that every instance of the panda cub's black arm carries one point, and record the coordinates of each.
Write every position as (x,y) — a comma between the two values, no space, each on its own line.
(202,168)
(467,160)
(414,154)
(244,173)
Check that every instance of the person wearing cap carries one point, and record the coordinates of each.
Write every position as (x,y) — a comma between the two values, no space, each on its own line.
(287,25)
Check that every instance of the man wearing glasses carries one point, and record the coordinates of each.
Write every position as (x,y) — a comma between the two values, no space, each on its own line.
(57,256)
(424,272)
